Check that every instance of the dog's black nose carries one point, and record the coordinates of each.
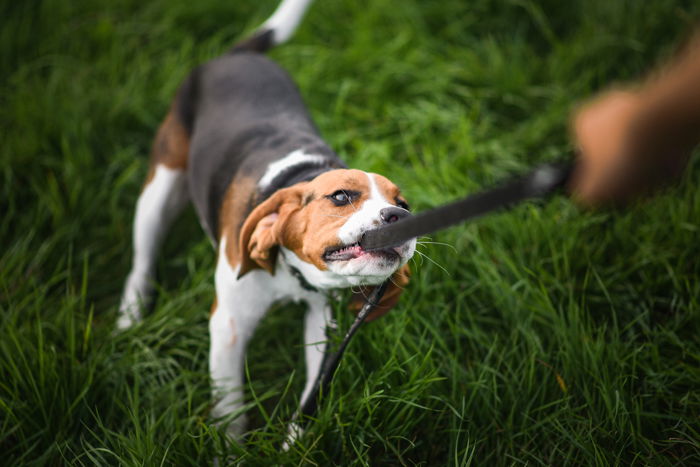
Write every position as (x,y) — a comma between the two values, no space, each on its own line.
(393,214)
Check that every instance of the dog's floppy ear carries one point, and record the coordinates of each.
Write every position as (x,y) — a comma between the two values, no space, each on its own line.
(264,229)
(398,281)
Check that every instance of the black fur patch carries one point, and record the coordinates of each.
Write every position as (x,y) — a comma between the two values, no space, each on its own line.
(296,174)
(186,100)
(308,198)
(259,42)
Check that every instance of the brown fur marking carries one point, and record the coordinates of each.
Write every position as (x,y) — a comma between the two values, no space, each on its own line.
(171,145)
(390,191)
(213,307)
(234,210)
(398,281)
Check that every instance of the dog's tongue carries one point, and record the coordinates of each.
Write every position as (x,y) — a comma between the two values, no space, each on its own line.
(349,252)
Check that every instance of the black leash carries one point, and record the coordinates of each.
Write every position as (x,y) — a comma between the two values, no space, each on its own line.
(542,181)
(331,361)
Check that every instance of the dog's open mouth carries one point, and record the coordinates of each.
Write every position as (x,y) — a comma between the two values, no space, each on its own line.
(348,252)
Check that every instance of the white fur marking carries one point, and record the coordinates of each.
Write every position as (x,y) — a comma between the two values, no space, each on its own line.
(290,160)
(315,323)
(367,217)
(349,274)
(374,189)
(285,19)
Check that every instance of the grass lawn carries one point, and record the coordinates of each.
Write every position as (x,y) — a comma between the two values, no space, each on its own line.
(544,335)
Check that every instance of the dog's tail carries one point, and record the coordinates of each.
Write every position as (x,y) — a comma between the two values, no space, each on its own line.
(277,29)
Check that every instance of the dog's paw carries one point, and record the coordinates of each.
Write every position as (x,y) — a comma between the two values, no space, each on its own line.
(294,432)
(137,292)
(234,425)
(237,427)
(129,313)
(126,320)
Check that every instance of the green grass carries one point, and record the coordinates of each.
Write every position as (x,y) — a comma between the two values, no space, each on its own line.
(544,335)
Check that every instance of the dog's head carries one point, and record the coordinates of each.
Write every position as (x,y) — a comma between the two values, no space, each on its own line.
(317,225)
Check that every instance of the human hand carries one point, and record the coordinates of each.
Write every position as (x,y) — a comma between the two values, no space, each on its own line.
(627,146)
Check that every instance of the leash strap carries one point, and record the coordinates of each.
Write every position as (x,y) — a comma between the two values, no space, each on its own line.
(538,183)
(331,361)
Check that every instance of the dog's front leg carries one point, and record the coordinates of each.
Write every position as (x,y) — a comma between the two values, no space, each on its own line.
(240,305)
(316,322)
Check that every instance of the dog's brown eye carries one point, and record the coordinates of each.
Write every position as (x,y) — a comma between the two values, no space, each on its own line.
(403,204)
(342,197)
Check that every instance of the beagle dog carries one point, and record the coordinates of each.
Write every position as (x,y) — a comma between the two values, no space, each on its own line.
(283,211)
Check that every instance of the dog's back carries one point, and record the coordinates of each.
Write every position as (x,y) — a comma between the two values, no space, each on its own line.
(242,111)
(247,112)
